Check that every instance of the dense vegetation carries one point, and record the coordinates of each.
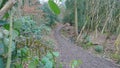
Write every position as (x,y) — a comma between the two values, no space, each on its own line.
(101,15)
(24,42)
(26,28)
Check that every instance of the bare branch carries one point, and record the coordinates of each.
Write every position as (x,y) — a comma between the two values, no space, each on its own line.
(6,7)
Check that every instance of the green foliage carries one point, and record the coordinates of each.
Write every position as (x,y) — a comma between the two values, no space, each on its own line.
(116,57)
(54,7)
(75,63)
(86,41)
(50,17)
(1,35)
(33,44)
(7,26)
(18,65)
(34,63)
(2,22)
(99,48)
(24,52)
(70,14)
(86,38)
(56,54)
(48,61)
(2,3)
(6,40)
(87,45)
(17,24)
(6,33)
(1,63)
(1,48)
(15,34)
(28,27)
(44,30)
(6,16)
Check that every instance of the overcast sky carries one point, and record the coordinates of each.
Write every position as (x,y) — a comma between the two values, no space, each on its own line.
(57,2)
(43,0)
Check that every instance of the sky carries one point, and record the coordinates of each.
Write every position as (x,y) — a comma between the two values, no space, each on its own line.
(62,3)
(42,1)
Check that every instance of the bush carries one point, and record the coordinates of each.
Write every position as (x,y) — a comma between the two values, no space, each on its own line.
(99,48)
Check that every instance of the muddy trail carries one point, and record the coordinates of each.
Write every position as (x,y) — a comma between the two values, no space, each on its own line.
(69,51)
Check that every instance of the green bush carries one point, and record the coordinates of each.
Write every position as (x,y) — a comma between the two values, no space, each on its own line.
(99,48)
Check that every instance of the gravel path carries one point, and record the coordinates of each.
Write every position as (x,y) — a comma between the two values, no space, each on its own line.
(69,51)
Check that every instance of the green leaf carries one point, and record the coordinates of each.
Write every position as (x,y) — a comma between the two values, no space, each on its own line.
(7,26)
(54,7)
(49,55)
(44,60)
(99,48)
(15,34)
(49,64)
(36,60)
(17,24)
(6,43)
(6,16)
(75,63)
(34,63)
(18,65)
(6,33)
(24,52)
(56,54)
(31,65)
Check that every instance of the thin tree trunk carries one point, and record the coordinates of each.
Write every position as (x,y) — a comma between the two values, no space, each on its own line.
(10,43)
(81,32)
(76,19)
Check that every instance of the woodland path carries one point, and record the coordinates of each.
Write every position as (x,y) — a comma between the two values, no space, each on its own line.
(69,51)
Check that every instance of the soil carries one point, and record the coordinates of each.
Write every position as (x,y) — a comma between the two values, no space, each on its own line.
(70,51)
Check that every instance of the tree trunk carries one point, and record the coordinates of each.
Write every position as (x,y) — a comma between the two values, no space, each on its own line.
(76,19)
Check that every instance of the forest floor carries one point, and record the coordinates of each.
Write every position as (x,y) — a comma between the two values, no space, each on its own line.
(69,52)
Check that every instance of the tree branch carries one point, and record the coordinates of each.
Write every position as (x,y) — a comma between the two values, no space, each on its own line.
(6,7)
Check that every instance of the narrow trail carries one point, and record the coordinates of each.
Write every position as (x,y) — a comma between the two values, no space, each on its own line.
(69,51)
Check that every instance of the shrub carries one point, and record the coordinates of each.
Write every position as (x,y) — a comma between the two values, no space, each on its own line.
(99,48)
